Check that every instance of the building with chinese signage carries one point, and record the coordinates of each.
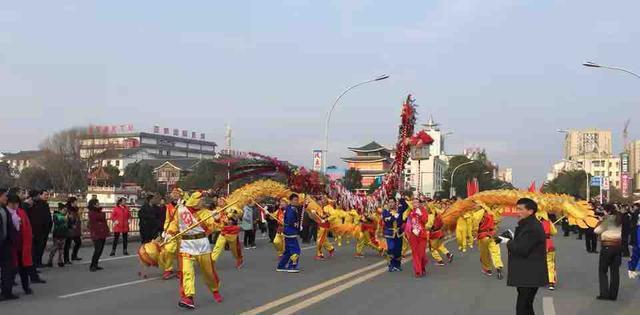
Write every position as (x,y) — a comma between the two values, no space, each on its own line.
(372,160)
(120,146)
(581,144)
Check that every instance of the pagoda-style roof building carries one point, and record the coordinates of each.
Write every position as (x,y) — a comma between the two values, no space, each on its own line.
(372,160)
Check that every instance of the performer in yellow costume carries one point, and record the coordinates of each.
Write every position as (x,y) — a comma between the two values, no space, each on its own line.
(195,248)
(278,240)
(549,230)
(169,252)
(336,217)
(464,233)
(490,256)
(435,226)
(366,235)
(324,225)
(228,234)
(349,218)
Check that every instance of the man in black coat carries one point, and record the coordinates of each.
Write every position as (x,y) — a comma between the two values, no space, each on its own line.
(149,220)
(527,256)
(41,223)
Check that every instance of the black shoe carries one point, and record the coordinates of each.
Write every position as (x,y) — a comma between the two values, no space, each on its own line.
(125,253)
(9,296)
(68,262)
(28,291)
(38,280)
(604,298)
(76,258)
(60,264)
(112,254)
(93,269)
(49,265)
(99,268)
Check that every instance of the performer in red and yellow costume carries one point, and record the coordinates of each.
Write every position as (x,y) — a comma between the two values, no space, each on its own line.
(436,238)
(169,252)
(229,232)
(324,225)
(366,235)
(195,248)
(278,240)
(490,256)
(549,231)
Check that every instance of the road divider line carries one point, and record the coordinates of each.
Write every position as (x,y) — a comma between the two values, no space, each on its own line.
(107,288)
(289,298)
(107,259)
(296,308)
(548,308)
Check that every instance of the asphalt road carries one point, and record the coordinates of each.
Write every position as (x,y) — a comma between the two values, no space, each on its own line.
(342,285)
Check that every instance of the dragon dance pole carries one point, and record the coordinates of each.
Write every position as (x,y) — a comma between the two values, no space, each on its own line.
(189,228)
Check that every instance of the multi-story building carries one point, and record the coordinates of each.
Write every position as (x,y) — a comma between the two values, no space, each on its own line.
(424,172)
(505,175)
(372,160)
(105,146)
(21,160)
(633,152)
(179,143)
(606,166)
(583,143)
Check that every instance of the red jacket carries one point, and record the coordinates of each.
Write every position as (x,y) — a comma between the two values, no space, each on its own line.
(26,238)
(436,229)
(120,216)
(546,226)
(98,224)
(487,227)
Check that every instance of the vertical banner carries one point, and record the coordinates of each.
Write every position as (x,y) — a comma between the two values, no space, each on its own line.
(624,174)
(317,160)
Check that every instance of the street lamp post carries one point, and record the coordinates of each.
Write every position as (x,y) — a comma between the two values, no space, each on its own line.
(452,190)
(595,65)
(326,128)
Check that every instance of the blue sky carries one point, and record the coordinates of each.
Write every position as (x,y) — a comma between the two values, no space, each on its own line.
(502,74)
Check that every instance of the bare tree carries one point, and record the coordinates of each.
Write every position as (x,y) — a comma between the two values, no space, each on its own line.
(62,160)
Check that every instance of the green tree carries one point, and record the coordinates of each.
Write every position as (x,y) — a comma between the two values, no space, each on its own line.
(203,176)
(571,183)
(114,175)
(480,169)
(352,179)
(142,175)
(61,160)
(34,178)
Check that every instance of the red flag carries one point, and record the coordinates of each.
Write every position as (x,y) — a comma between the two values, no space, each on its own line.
(532,188)
(476,186)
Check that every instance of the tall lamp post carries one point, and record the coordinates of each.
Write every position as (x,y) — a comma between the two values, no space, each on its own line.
(326,128)
(596,65)
(452,190)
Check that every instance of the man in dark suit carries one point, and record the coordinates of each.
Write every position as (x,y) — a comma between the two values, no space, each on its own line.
(41,223)
(8,235)
(527,256)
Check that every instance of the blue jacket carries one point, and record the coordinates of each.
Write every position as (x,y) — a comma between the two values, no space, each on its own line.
(635,255)
(291,222)
(394,227)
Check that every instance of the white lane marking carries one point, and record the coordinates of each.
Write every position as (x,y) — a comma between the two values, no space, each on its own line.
(107,259)
(547,306)
(107,288)
(299,294)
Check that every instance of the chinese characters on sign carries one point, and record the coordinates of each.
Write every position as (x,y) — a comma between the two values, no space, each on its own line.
(317,160)
(624,174)
(109,129)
